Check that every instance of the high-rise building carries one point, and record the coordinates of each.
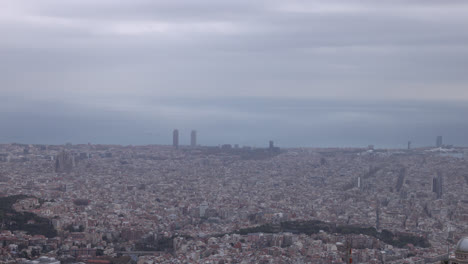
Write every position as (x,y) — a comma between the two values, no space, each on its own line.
(175,138)
(435,186)
(193,138)
(271,144)
(203,208)
(439,141)
(437,183)
(409,144)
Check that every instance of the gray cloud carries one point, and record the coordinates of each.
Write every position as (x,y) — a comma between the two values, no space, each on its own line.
(116,55)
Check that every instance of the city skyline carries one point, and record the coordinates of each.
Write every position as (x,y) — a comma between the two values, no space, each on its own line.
(233,131)
(245,121)
(308,205)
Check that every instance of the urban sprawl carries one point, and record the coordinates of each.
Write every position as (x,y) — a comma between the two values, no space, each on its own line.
(108,204)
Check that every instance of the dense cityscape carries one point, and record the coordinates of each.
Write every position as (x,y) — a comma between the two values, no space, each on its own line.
(233,132)
(90,203)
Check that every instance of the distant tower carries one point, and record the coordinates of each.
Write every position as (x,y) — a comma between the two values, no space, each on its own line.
(175,138)
(439,141)
(193,138)
(271,144)
(441,183)
(359,182)
(203,208)
(409,144)
(437,184)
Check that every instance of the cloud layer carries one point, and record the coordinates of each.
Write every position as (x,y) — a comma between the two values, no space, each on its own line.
(131,56)
(350,49)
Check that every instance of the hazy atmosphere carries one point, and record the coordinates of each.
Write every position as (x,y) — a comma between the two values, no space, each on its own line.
(302,73)
(233,131)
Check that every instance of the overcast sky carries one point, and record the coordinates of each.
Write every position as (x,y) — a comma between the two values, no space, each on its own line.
(140,60)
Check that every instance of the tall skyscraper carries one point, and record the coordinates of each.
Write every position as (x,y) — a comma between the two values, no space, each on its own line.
(193,138)
(437,183)
(175,138)
(435,186)
(271,144)
(439,141)
(409,144)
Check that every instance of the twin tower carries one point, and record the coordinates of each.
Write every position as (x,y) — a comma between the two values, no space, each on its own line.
(175,138)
